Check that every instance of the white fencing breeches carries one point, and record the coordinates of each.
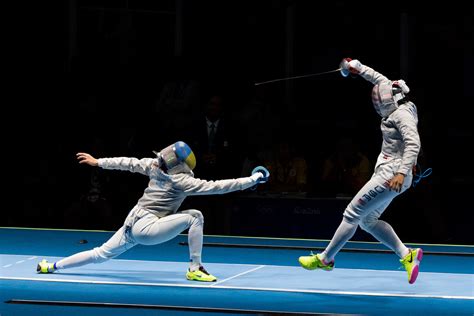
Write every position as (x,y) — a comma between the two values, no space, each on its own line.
(147,230)
(365,209)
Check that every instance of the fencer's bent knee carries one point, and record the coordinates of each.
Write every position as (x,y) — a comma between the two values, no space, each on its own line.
(197,215)
(351,217)
(368,223)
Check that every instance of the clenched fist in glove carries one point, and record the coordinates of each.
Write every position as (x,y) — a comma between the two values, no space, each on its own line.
(261,174)
(350,66)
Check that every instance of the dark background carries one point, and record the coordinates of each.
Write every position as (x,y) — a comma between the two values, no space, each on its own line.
(91,73)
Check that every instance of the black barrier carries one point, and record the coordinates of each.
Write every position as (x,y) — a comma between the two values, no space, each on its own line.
(288,216)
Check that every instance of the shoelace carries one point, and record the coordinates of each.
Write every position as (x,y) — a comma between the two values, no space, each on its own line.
(421,175)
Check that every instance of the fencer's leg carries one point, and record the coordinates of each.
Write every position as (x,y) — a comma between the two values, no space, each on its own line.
(325,260)
(344,232)
(196,271)
(115,246)
(195,239)
(150,230)
(373,195)
(383,231)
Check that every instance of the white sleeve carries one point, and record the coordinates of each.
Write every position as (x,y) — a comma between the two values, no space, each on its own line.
(143,166)
(372,76)
(193,186)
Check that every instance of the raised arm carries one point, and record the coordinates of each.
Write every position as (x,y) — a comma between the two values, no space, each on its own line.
(355,67)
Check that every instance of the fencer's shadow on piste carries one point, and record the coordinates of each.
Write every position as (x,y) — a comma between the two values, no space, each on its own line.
(130,275)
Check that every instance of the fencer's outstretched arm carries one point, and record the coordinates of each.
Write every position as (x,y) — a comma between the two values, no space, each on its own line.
(193,186)
(143,166)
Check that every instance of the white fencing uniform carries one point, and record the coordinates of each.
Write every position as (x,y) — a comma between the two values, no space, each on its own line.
(156,219)
(399,152)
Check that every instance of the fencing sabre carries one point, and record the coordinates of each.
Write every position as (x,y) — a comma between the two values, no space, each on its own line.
(297,77)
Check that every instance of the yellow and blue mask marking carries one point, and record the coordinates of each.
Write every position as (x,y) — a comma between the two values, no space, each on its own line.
(184,153)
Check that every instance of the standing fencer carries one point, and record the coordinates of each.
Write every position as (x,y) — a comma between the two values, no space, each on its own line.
(393,173)
(155,218)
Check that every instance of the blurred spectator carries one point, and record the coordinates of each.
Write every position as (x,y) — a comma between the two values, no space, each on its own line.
(179,98)
(213,143)
(257,119)
(346,170)
(91,211)
(251,159)
(289,171)
(38,204)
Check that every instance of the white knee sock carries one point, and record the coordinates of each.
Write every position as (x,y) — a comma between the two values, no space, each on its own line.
(384,233)
(76,260)
(344,232)
(195,240)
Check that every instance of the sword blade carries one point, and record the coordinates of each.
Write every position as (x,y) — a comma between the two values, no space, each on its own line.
(297,77)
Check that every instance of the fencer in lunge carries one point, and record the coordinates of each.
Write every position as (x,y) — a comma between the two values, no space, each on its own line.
(393,173)
(156,218)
